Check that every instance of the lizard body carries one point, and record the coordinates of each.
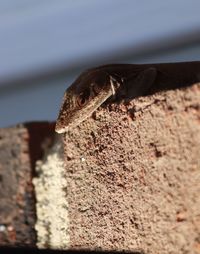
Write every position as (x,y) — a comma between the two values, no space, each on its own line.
(120,81)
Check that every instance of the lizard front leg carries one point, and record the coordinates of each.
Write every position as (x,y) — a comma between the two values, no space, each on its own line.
(139,84)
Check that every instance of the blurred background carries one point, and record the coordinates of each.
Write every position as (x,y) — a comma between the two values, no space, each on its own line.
(45,44)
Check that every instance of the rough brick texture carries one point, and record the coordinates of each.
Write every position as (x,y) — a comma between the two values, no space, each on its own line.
(133,175)
(20,147)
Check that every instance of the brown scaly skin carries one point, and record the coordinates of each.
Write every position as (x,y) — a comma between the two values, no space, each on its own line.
(93,87)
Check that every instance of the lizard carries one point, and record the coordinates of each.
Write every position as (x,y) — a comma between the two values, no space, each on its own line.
(120,81)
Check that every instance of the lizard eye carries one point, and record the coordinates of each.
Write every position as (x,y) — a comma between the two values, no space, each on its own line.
(83,98)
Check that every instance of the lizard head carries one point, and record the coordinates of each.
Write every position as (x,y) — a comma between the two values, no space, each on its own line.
(83,97)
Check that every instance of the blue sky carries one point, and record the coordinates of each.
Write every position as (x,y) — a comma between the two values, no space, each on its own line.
(43,36)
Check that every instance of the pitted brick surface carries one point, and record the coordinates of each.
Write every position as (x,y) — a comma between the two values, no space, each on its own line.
(20,146)
(134,175)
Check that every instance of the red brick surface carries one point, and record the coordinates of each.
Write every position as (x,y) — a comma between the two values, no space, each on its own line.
(20,147)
